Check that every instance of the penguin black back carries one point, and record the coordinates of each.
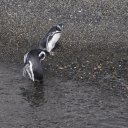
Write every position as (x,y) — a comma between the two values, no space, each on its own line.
(37,69)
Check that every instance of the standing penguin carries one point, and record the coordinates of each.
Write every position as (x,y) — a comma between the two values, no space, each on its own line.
(51,38)
(33,67)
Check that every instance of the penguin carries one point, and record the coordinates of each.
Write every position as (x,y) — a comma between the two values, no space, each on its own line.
(50,39)
(33,66)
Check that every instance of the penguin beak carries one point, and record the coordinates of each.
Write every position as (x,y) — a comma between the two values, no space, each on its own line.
(60,26)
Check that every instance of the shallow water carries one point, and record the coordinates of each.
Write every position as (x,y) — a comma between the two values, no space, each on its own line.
(58,103)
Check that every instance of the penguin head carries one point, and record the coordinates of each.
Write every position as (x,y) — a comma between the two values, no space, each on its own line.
(59,27)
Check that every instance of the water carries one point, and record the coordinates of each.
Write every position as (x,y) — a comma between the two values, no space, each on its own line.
(58,103)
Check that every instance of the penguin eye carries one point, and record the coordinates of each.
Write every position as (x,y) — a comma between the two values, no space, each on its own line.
(58,28)
(42,56)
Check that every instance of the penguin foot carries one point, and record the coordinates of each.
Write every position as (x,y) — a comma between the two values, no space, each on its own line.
(52,53)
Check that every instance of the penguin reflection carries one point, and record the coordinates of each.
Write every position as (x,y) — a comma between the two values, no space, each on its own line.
(34,94)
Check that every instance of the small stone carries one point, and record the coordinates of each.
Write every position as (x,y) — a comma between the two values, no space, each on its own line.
(65,66)
(95,68)
(81,77)
(99,66)
(80,10)
(61,68)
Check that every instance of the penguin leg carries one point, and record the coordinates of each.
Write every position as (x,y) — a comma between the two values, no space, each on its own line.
(52,53)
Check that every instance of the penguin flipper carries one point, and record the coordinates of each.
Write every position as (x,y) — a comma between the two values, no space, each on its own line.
(50,36)
(25,58)
(27,72)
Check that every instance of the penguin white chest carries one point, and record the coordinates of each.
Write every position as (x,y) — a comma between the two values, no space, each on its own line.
(52,42)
